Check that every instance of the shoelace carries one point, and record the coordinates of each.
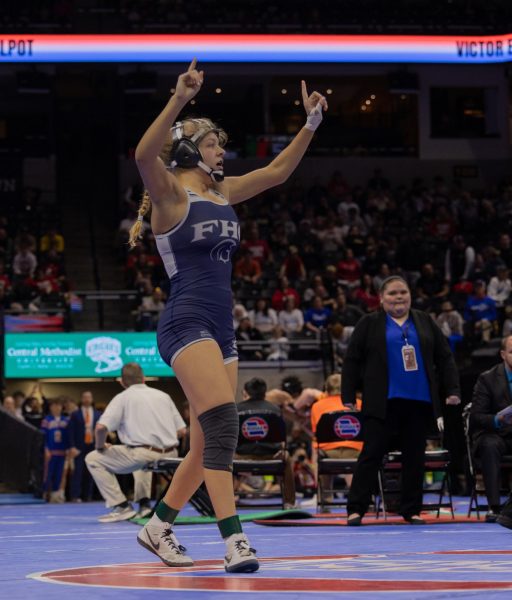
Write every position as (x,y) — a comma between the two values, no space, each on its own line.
(167,536)
(243,548)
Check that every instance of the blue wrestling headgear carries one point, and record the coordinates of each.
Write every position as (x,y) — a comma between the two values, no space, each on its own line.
(185,152)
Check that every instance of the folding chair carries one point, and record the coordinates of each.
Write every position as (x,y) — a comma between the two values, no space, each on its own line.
(166,467)
(259,428)
(475,469)
(436,461)
(336,426)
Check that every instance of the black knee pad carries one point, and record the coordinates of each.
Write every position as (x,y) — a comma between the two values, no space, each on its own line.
(220,430)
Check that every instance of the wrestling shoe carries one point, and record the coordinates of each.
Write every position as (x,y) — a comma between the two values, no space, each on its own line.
(165,545)
(240,557)
(144,511)
(118,513)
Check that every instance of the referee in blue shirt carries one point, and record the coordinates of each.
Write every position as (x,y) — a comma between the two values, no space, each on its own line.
(401,361)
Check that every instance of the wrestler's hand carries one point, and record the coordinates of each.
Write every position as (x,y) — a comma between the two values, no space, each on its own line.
(189,83)
(314,104)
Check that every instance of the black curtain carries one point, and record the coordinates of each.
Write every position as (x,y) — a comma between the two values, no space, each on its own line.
(21,455)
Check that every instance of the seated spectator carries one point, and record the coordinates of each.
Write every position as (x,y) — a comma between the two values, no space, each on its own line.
(24,263)
(480,313)
(492,435)
(337,187)
(279,346)
(340,336)
(505,249)
(52,263)
(459,261)
(258,248)
(239,313)
(492,262)
(507,324)
(279,238)
(282,292)
(499,289)
(23,291)
(366,296)
(253,400)
(371,261)
(331,402)
(263,318)
(355,240)
(431,289)
(150,309)
(293,266)
(349,270)
(317,317)
(51,239)
(245,332)
(354,219)
(346,314)
(309,293)
(247,269)
(331,238)
(383,273)
(25,240)
(443,226)
(329,280)
(291,318)
(451,324)
(47,298)
(140,261)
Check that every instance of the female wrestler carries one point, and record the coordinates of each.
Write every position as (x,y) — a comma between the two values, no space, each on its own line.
(197,233)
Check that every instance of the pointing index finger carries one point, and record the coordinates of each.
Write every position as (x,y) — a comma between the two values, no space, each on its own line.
(304,91)
(192,64)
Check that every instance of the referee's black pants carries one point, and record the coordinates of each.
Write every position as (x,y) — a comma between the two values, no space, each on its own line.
(410,420)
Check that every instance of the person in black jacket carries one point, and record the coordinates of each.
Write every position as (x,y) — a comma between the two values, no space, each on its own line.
(81,441)
(401,361)
(492,436)
(254,401)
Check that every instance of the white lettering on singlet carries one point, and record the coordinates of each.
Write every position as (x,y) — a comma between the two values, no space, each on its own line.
(230,229)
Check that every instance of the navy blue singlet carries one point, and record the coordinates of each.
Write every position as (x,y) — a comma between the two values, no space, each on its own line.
(197,258)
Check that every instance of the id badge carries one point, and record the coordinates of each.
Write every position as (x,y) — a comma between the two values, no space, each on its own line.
(409,358)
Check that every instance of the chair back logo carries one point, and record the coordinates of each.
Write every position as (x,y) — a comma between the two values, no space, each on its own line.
(347,427)
(254,428)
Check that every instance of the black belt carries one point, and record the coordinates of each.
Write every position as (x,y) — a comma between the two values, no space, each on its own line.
(154,449)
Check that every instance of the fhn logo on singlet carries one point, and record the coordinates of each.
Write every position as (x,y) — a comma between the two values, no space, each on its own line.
(230,230)
(105,352)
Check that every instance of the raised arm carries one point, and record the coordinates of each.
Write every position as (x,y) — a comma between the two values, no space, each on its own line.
(277,172)
(160,183)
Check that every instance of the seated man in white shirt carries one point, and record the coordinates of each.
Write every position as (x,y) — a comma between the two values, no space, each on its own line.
(148,425)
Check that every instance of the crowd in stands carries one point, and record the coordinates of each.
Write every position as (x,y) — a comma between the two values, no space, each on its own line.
(253,16)
(32,266)
(312,260)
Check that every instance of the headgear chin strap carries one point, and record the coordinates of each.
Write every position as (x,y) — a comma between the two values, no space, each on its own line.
(185,152)
(216,174)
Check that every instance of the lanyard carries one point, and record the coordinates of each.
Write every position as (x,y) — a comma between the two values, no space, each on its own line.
(405,333)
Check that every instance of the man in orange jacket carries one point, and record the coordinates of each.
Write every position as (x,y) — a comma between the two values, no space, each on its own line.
(329,403)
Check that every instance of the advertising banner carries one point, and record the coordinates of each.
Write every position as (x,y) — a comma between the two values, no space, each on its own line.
(85,354)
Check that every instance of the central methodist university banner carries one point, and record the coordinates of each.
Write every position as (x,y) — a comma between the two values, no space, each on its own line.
(91,354)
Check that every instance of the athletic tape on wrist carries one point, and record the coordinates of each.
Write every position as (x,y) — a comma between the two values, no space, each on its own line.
(314,118)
